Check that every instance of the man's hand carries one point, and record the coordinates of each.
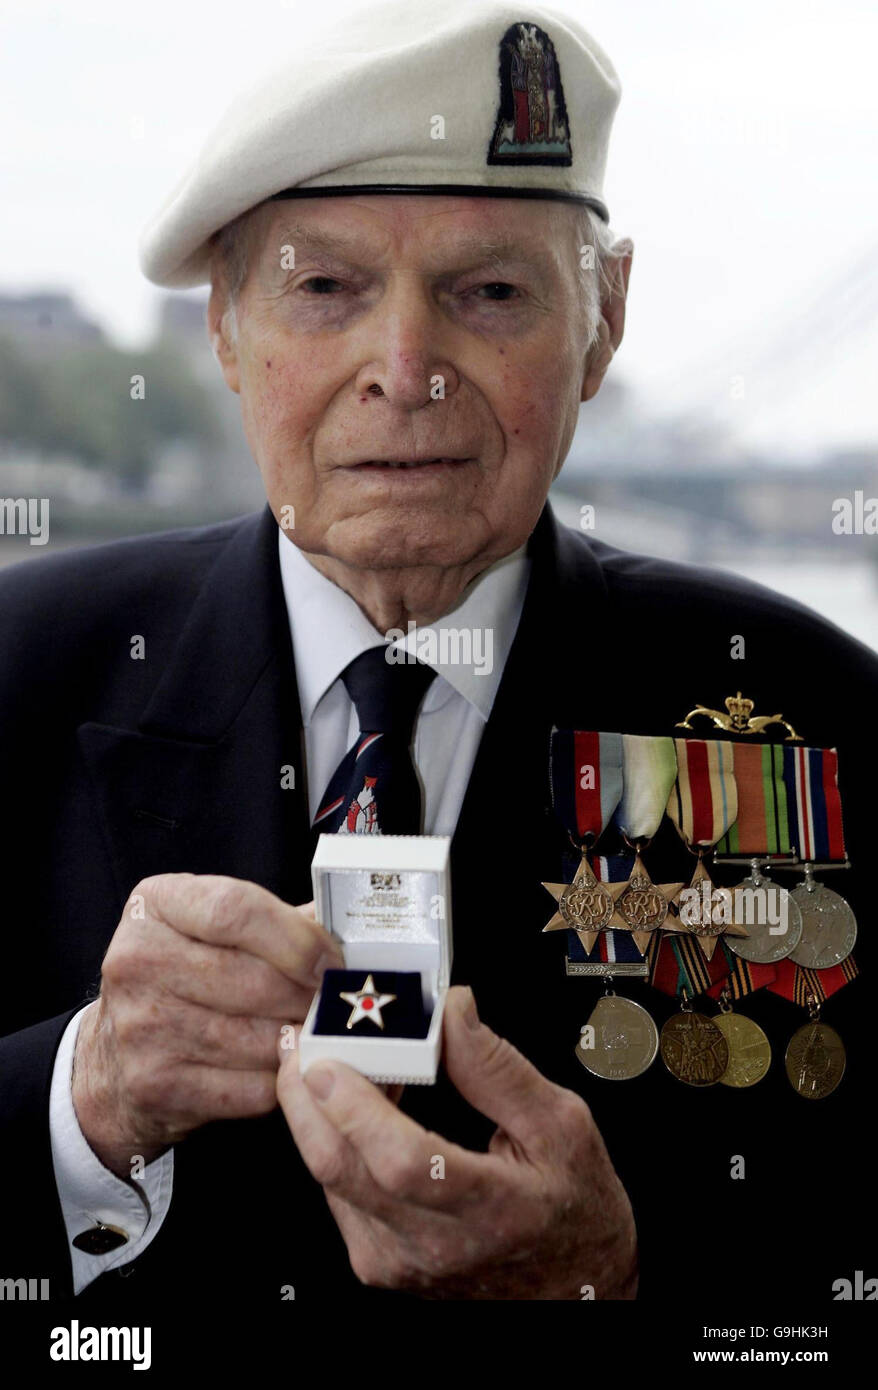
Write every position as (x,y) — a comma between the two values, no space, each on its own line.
(198,979)
(541,1215)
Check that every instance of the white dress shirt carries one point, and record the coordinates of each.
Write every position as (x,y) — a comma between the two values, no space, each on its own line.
(328,631)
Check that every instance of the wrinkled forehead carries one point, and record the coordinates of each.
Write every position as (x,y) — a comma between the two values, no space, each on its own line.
(426,230)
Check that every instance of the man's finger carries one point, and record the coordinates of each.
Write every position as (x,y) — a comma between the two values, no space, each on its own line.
(398,1157)
(331,1160)
(225,911)
(228,981)
(218,1040)
(495,1077)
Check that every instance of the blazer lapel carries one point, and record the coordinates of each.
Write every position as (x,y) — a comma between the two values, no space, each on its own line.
(198,785)
(507,840)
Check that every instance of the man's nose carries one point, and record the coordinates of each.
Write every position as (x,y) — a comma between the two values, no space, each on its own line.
(408,348)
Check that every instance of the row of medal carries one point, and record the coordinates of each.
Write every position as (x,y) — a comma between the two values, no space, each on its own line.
(761,804)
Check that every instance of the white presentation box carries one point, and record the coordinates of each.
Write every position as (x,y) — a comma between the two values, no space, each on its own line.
(387,898)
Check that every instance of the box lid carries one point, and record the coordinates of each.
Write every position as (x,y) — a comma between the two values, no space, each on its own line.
(387,894)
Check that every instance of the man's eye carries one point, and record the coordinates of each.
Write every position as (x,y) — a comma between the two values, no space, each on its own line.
(505,291)
(322,284)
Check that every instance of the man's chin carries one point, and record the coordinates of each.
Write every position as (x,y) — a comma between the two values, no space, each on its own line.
(391,541)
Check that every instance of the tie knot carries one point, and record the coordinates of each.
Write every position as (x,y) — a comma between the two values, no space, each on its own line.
(386,693)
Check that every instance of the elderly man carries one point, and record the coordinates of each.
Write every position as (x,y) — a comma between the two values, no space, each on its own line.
(413,288)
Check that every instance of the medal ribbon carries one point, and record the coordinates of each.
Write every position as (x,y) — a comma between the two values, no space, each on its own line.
(744,977)
(704,800)
(762,826)
(811,778)
(649,767)
(796,982)
(678,964)
(586,773)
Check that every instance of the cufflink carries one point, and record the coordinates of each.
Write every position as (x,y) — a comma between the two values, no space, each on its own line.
(100,1239)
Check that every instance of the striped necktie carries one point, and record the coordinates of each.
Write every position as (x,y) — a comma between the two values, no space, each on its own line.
(375,788)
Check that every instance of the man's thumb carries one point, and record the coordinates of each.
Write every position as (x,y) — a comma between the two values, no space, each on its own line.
(490,1073)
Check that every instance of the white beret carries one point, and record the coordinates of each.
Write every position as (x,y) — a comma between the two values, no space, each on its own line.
(458,97)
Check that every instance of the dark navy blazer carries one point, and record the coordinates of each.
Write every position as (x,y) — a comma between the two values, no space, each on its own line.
(112,769)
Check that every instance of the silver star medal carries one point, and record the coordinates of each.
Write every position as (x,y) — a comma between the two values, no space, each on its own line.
(367,1003)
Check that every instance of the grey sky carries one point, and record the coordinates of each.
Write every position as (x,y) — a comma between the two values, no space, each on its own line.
(743,166)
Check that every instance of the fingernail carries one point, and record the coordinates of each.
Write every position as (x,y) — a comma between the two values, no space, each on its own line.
(470,1012)
(320,1082)
(326,962)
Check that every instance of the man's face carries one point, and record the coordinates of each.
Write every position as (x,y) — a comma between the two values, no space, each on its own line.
(411,328)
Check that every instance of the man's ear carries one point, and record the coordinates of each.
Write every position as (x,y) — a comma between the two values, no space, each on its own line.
(612,323)
(220,317)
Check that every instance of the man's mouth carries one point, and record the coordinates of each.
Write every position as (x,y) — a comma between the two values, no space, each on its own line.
(412,463)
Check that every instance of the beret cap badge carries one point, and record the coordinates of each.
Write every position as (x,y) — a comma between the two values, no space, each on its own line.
(532,125)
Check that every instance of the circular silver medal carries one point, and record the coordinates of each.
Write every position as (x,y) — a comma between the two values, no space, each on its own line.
(771,918)
(619,1041)
(829,927)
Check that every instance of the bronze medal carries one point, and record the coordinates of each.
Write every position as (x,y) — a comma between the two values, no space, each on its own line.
(641,905)
(705,912)
(749,1049)
(585,905)
(693,1049)
(815,1060)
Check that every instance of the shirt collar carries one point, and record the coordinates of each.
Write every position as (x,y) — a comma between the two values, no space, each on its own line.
(329,629)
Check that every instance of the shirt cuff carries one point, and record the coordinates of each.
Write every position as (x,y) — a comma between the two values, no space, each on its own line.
(91,1193)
